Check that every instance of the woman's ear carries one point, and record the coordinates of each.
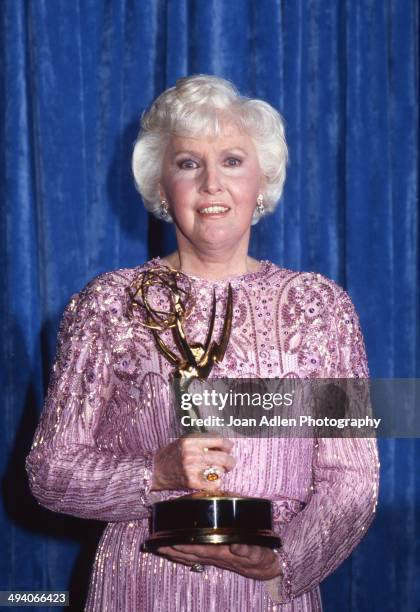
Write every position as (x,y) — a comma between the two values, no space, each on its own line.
(263,185)
(162,195)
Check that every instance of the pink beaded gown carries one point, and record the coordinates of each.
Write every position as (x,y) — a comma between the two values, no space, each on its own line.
(108,411)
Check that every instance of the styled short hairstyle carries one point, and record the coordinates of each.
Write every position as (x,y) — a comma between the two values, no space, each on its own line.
(202,105)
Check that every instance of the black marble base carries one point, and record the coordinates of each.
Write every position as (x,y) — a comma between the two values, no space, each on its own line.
(204,518)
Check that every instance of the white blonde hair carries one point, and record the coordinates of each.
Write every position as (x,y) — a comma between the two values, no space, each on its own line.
(201,105)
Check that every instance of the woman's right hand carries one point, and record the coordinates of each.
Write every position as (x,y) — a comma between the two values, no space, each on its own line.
(180,464)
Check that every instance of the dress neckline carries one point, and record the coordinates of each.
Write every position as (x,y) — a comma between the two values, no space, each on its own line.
(235,278)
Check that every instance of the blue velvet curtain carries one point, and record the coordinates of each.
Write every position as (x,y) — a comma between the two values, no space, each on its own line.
(75,76)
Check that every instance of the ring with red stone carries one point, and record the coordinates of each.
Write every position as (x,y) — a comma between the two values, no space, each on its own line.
(212,473)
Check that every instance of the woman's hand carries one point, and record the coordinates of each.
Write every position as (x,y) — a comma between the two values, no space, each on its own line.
(180,464)
(255,562)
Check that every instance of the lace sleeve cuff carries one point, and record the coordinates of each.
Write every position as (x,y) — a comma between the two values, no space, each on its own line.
(146,482)
(280,588)
(147,496)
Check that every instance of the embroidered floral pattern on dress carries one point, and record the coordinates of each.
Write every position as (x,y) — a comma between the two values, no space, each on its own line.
(284,510)
(305,327)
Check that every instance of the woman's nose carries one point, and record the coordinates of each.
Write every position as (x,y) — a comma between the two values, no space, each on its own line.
(211,179)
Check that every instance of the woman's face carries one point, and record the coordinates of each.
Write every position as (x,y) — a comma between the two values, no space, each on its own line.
(211,185)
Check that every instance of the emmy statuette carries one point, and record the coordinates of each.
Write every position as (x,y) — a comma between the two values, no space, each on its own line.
(202,517)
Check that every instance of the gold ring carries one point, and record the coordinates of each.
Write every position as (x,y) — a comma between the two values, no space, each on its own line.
(212,473)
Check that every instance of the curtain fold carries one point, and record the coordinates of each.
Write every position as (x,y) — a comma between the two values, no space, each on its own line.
(74,79)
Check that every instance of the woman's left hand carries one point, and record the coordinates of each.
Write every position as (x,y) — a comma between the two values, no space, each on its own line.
(255,562)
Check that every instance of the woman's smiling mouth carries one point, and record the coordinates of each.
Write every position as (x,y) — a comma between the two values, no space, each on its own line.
(213,209)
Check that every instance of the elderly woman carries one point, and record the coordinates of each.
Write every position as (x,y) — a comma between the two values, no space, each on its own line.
(213,163)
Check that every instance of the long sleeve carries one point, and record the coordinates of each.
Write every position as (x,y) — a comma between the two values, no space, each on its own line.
(344,485)
(68,472)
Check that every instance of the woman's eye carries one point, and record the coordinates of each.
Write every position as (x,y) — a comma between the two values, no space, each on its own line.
(233,161)
(187,164)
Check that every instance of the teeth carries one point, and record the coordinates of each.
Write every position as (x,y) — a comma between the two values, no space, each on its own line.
(214,209)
